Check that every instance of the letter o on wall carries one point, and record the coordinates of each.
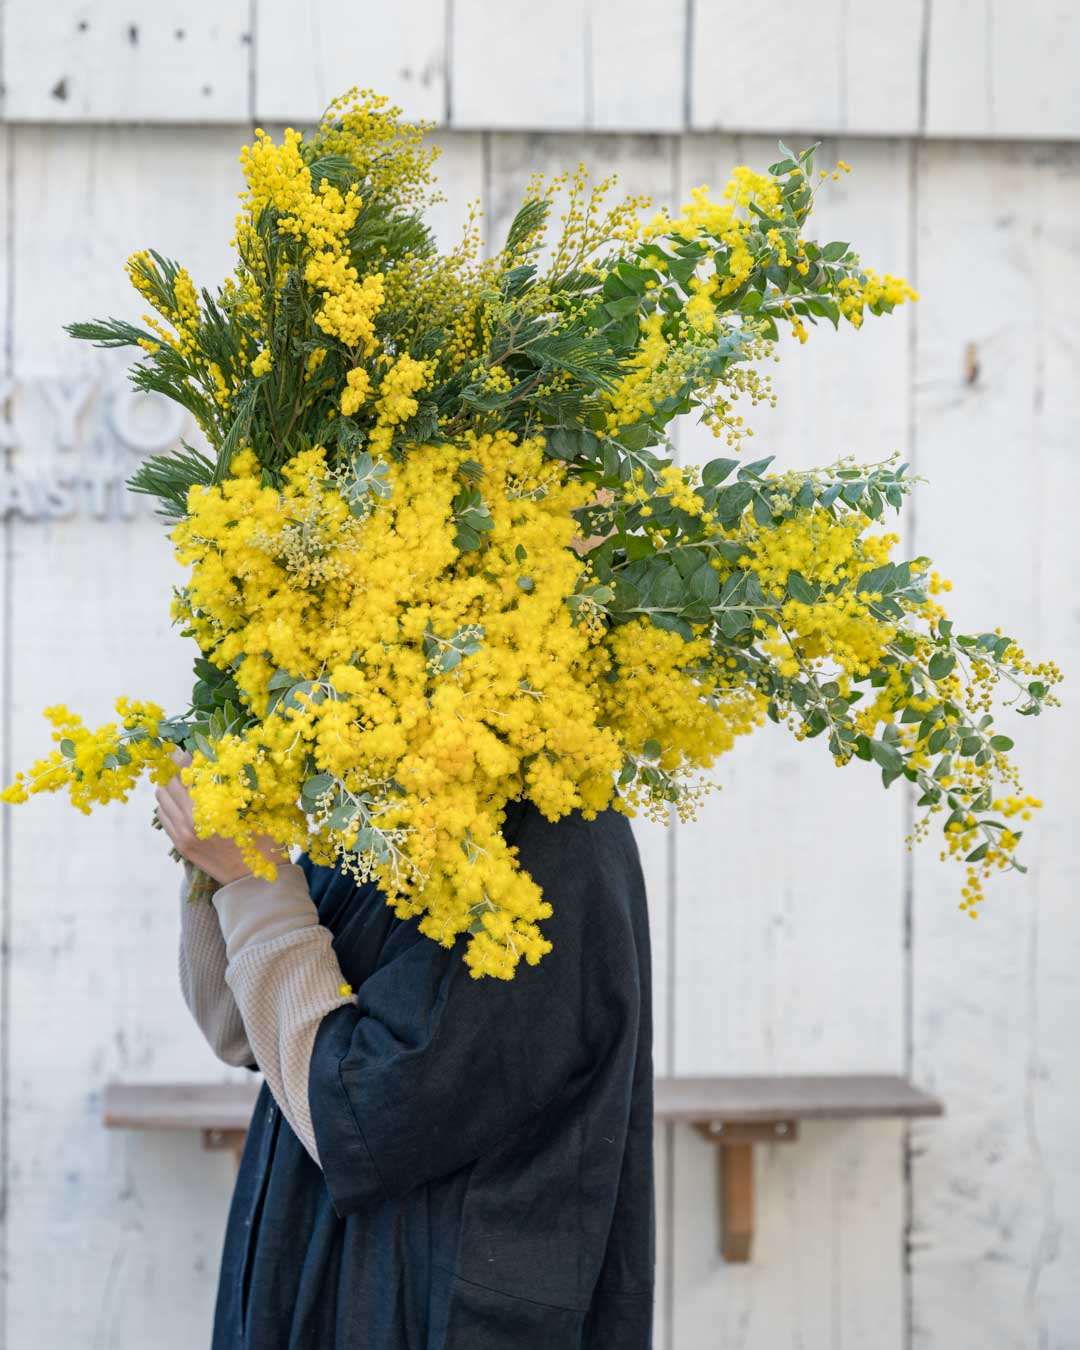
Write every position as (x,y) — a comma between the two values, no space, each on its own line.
(146,420)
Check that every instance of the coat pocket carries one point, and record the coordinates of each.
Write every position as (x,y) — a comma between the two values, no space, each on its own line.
(479,1318)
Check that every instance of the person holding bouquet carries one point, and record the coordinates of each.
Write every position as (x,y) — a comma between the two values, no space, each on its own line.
(433,1161)
(462,611)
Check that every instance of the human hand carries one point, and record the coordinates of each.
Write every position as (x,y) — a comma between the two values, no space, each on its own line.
(217,856)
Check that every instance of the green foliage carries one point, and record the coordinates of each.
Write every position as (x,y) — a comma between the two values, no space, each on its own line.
(168,477)
(472,518)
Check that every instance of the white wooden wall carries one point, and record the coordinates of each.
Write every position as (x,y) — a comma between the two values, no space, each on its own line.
(792,930)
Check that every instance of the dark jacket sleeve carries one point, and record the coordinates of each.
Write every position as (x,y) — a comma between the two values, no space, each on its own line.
(430,1068)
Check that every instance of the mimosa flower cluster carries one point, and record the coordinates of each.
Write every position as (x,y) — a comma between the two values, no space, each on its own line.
(440,557)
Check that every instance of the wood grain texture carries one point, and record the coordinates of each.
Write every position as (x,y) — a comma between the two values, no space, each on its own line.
(180,1106)
(997,69)
(827,1244)
(937,68)
(96,61)
(996,1186)
(638,165)
(308,54)
(812,964)
(567,64)
(655,842)
(789,952)
(518,65)
(643,165)
(851,68)
(975,68)
(635,35)
(777,920)
(772,1097)
(7,362)
(91,965)
(459,173)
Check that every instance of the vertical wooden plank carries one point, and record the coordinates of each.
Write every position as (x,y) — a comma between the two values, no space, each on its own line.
(93,986)
(664,1159)
(1052,995)
(990,65)
(959,74)
(7,360)
(826,400)
(789,942)
(567,65)
(996,1186)
(842,392)
(459,171)
(986,64)
(827,1244)
(785,72)
(307,55)
(656,844)
(518,65)
(176,61)
(643,165)
(628,36)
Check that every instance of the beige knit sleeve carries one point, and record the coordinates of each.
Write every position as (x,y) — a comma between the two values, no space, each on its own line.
(285,978)
(202,978)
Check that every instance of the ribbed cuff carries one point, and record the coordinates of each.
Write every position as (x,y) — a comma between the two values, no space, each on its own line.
(252,909)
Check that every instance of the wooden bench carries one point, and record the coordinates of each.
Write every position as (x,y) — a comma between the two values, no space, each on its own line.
(220,1111)
(738,1112)
(735,1113)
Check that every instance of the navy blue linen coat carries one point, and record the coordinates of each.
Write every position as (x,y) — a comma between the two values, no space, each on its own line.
(486,1145)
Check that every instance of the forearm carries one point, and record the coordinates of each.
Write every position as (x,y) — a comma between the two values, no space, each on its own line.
(202,964)
(284,976)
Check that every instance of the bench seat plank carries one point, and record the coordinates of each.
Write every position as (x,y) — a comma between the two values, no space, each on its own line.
(180,1106)
(770,1097)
